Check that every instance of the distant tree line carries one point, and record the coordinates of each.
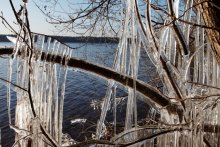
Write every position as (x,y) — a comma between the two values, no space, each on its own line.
(3,38)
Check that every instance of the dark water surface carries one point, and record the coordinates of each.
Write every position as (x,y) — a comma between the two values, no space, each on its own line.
(81,89)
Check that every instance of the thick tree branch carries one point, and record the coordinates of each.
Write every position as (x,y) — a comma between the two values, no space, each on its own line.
(145,89)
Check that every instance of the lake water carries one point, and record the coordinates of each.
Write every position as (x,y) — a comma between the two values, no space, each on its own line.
(81,89)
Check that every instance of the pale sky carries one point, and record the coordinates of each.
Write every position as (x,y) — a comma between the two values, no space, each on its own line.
(38,24)
(36,18)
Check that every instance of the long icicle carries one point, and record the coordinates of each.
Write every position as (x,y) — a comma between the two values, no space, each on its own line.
(68,55)
(9,90)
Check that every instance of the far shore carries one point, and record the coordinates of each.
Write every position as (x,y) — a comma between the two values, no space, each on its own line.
(67,39)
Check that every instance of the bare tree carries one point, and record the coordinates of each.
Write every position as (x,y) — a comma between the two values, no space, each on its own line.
(176,35)
(97,17)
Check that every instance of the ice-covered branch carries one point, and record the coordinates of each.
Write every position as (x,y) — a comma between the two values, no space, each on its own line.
(145,89)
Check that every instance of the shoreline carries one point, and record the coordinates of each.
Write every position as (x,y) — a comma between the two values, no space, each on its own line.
(68,39)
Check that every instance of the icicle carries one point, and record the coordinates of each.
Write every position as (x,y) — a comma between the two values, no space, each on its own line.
(187,17)
(105,106)
(176,8)
(208,64)
(152,53)
(163,40)
(62,97)
(43,83)
(9,90)
(133,58)
(201,59)
(168,49)
(114,108)
(53,48)
(196,62)
(57,48)
(130,109)
(56,99)
(214,70)
(173,52)
(41,47)
(48,47)
(62,55)
(49,97)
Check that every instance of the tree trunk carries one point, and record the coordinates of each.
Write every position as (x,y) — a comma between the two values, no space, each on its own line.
(210,11)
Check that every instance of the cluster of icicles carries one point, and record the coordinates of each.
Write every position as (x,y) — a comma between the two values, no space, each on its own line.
(189,74)
(189,79)
(45,79)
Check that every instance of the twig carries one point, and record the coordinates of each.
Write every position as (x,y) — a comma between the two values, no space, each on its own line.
(17,141)
(206,142)
(177,30)
(151,136)
(205,85)
(14,84)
